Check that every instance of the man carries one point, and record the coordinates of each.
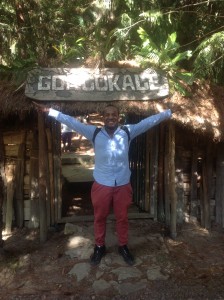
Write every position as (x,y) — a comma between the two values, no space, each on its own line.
(111,187)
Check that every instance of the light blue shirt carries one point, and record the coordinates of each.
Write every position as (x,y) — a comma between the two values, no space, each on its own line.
(111,153)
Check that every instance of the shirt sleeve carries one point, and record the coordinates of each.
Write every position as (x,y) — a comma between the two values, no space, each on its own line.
(148,123)
(83,129)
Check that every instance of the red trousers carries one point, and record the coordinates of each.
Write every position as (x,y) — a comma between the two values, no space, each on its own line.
(105,197)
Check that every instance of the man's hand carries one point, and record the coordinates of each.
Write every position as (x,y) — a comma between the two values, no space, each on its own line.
(41,107)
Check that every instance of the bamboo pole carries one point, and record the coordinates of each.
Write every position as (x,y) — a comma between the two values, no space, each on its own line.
(172,187)
(42,177)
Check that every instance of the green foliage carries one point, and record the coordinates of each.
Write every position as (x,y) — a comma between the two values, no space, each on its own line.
(75,51)
(209,57)
(165,56)
(43,32)
(160,33)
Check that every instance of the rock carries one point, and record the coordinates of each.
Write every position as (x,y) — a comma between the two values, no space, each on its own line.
(129,288)
(126,272)
(155,274)
(72,228)
(101,285)
(80,270)
(79,247)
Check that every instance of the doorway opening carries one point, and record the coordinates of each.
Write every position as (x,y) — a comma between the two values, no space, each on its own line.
(77,163)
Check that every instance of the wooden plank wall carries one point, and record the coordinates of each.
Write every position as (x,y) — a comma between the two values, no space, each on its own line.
(199,179)
(22,178)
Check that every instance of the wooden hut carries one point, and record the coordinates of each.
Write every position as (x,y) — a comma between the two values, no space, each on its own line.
(177,167)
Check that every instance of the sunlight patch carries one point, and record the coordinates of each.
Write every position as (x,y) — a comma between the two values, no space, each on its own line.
(77,241)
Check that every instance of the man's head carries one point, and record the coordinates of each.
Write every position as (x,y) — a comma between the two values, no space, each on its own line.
(111,117)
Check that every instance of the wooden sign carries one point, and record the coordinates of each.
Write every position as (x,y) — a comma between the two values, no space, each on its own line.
(83,84)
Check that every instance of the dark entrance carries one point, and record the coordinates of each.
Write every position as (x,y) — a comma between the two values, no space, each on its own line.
(77,162)
(76,199)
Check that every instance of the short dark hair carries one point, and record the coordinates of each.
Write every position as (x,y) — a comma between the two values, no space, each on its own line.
(111,105)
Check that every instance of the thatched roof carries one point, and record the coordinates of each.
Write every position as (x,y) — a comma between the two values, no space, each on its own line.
(202,112)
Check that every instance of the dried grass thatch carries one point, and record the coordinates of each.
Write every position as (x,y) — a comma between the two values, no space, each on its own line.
(201,112)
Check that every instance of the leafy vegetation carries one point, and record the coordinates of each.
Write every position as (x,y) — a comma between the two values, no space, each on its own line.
(183,38)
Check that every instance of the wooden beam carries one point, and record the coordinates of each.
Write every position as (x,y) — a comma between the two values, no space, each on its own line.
(131,216)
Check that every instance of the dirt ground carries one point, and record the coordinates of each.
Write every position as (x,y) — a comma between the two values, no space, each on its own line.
(195,263)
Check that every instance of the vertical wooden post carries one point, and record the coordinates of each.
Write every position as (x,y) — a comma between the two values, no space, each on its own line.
(147,171)
(34,221)
(161,209)
(10,177)
(207,177)
(42,177)
(193,187)
(19,182)
(172,186)
(154,173)
(51,176)
(56,143)
(219,197)
(2,183)
(167,177)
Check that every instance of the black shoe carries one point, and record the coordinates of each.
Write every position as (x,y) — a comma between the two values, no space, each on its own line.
(99,252)
(124,252)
